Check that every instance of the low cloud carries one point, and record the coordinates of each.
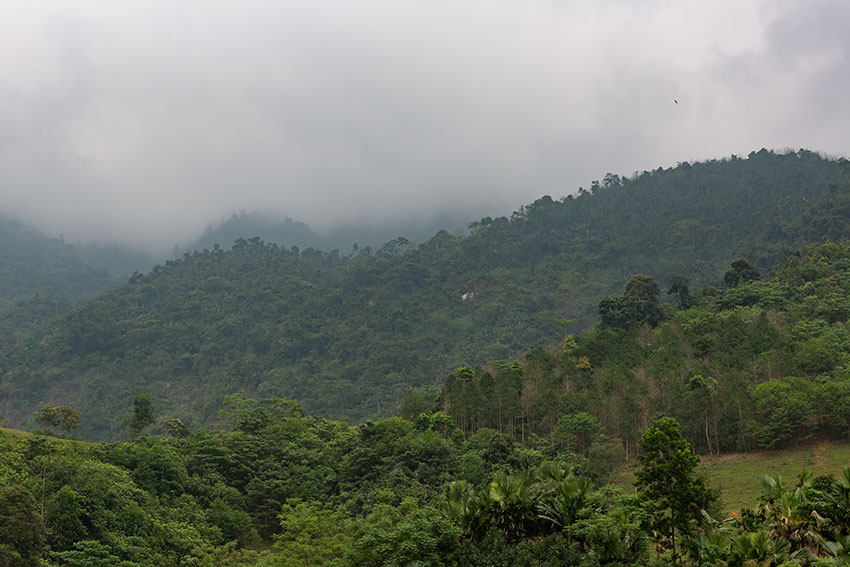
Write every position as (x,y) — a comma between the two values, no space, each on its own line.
(142,123)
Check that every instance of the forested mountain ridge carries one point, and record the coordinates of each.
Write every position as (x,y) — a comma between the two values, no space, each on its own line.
(286,232)
(346,336)
(32,264)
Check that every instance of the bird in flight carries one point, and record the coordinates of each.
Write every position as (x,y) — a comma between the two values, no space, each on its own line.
(676,101)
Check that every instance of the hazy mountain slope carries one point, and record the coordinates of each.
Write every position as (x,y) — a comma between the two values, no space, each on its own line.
(32,263)
(346,337)
(287,232)
(119,260)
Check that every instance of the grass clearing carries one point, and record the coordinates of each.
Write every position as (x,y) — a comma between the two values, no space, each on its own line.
(738,475)
(14,433)
(17,434)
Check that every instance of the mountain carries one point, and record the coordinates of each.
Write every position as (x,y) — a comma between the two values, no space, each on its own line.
(120,261)
(287,232)
(43,277)
(32,264)
(347,336)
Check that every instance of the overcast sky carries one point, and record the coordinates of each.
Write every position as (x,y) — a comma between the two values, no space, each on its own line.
(144,121)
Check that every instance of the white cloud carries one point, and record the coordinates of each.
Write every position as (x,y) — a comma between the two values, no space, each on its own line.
(143,121)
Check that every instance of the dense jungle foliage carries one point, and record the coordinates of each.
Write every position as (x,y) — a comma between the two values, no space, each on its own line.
(347,336)
(279,488)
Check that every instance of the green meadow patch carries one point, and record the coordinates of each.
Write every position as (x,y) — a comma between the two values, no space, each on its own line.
(738,476)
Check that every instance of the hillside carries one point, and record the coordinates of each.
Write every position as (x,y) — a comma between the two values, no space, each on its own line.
(761,364)
(42,278)
(34,264)
(347,336)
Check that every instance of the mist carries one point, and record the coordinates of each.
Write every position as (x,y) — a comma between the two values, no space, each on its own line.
(143,123)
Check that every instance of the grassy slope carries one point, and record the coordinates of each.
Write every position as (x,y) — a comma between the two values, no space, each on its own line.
(738,475)
(16,434)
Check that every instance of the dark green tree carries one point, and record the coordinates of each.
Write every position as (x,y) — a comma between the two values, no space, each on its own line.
(667,481)
(679,288)
(641,287)
(175,427)
(141,417)
(576,430)
(66,418)
(612,311)
(741,272)
(412,404)
(64,519)
(638,304)
(641,299)
(21,528)
(44,415)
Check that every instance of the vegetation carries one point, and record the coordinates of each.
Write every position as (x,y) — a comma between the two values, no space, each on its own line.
(349,336)
(666,479)
(33,264)
(738,475)
(282,488)
(510,461)
(760,365)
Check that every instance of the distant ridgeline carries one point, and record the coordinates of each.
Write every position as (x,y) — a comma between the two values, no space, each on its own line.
(348,336)
(34,264)
(288,232)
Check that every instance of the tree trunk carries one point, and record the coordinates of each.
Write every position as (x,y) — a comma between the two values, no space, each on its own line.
(716,435)
(673,541)
(741,426)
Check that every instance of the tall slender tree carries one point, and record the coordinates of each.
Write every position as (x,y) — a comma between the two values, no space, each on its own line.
(141,416)
(667,480)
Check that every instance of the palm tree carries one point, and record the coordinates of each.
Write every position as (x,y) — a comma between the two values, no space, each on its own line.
(790,515)
(838,500)
(571,494)
(511,504)
(552,472)
(709,549)
(796,522)
(460,505)
(712,546)
(839,549)
(771,488)
(758,550)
